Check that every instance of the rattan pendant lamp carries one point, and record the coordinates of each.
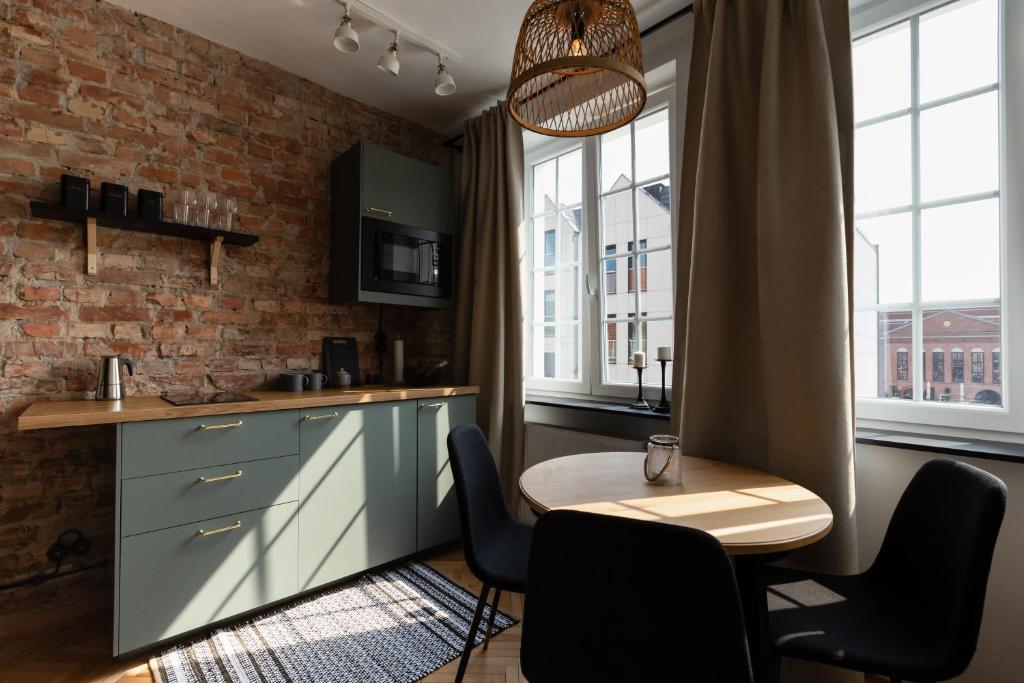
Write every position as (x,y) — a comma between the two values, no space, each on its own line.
(578,69)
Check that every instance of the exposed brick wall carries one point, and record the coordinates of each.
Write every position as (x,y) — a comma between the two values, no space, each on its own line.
(91,89)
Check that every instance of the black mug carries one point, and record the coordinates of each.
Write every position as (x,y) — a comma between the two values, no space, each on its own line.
(317,381)
(293,381)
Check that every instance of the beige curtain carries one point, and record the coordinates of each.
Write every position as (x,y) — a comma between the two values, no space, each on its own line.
(488,313)
(764,289)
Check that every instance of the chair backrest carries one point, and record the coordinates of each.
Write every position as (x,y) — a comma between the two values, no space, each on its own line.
(482,508)
(937,553)
(614,599)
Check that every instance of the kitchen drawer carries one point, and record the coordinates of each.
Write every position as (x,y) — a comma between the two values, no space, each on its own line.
(176,580)
(190,443)
(163,500)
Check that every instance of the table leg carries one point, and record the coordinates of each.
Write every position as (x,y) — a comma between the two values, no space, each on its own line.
(753,594)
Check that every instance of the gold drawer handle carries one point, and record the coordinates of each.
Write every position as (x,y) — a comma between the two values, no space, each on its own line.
(328,416)
(383,211)
(229,425)
(433,405)
(213,532)
(223,477)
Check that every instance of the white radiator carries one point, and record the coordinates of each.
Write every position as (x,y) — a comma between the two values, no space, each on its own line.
(544,443)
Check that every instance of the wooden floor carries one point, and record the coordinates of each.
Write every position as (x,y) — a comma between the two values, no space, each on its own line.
(74,646)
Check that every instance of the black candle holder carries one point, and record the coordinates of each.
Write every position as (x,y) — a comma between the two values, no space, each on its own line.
(663,405)
(640,403)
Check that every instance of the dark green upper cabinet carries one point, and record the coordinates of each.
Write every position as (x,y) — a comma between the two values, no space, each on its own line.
(397,188)
(393,230)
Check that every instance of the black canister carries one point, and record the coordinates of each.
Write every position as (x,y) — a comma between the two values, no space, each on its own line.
(151,205)
(114,199)
(74,192)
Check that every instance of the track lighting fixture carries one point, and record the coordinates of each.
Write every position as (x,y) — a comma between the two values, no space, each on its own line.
(388,61)
(345,37)
(444,84)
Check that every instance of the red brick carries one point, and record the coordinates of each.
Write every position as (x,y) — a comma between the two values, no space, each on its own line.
(41,329)
(87,72)
(40,293)
(223,318)
(112,313)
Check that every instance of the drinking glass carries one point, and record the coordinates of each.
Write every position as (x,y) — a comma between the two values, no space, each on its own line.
(230,209)
(188,204)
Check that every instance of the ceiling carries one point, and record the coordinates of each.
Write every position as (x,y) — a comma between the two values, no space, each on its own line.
(297,35)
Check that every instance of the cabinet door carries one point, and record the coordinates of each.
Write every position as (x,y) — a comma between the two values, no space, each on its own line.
(406,191)
(438,515)
(189,576)
(357,489)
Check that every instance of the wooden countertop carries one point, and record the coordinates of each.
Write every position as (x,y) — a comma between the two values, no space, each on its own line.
(50,414)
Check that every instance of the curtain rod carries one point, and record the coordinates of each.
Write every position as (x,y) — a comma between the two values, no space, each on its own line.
(453,142)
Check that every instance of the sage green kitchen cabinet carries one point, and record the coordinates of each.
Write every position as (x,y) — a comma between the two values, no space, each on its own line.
(357,489)
(437,517)
(407,191)
(178,579)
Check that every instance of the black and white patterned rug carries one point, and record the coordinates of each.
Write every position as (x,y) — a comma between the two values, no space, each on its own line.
(393,625)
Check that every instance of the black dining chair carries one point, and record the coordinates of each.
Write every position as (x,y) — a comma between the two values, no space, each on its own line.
(497,546)
(615,599)
(915,614)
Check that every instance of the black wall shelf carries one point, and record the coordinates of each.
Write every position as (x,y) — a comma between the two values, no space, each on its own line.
(58,212)
(91,218)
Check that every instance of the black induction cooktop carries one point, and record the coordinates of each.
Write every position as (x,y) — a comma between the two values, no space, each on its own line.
(205,399)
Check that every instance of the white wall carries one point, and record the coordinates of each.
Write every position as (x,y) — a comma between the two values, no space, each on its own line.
(882,474)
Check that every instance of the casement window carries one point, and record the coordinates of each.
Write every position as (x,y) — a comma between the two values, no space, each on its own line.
(938,365)
(934,94)
(599,245)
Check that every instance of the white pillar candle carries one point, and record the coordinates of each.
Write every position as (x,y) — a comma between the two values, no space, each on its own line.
(664,353)
(639,359)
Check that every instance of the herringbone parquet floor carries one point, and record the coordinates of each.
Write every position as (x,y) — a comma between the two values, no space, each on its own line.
(74,645)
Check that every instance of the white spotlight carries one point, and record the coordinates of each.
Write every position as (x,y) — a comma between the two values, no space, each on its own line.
(345,37)
(389,60)
(444,84)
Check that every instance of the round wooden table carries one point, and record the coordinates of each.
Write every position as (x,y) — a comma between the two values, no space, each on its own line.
(749,512)
(755,515)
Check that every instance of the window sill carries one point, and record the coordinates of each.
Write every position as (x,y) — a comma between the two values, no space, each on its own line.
(597,407)
(1004,451)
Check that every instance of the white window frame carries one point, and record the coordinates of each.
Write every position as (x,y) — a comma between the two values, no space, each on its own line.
(940,417)
(592,350)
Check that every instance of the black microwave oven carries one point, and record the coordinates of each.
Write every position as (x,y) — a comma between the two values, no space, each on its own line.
(401,259)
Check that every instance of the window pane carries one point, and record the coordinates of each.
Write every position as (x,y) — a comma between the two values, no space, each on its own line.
(882,171)
(616,161)
(556,239)
(659,333)
(557,352)
(960,252)
(556,295)
(618,358)
(970,338)
(654,214)
(960,148)
(656,284)
(619,298)
(959,48)
(884,260)
(881,72)
(652,146)
(617,221)
(544,187)
(884,364)
(570,178)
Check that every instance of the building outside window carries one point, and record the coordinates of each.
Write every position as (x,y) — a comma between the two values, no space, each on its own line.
(997,367)
(927,243)
(610,269)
